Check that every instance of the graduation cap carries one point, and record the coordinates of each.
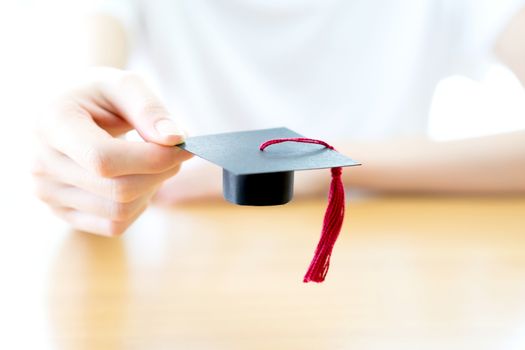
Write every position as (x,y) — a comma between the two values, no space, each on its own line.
(255,177)
(256,174)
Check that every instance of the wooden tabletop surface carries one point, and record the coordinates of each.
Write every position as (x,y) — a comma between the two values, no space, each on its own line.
(406,273)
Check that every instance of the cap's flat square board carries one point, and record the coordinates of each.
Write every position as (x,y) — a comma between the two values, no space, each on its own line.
(238,152)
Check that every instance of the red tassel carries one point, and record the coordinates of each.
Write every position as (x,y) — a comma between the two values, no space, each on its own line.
(333,218)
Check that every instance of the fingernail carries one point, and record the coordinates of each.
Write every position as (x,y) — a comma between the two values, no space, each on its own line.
(167,127)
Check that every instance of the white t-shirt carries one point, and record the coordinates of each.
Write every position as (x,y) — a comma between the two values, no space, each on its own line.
(345,69)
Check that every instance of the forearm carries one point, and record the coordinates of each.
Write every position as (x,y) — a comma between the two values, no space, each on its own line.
(108,43)
(510,46)
(490,164)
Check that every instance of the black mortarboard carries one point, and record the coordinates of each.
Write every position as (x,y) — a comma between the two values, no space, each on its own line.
(255,177)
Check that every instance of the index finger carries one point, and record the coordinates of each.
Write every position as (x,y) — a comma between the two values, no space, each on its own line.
(73,132)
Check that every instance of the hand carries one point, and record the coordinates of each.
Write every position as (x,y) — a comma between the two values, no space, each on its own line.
(93,180)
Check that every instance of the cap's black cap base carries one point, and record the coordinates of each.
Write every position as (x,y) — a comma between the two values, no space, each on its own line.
(258,189)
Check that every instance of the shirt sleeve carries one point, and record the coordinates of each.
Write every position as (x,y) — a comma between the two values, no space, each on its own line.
(478,24)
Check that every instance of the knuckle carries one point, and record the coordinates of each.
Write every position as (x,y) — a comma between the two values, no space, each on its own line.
(63,214)
(175,170)
(62,105)
(60,110)
(99,161)
(126,78)
(120,211)
(42,194)
(41,126)
(170,173)
(122,190)
(149,104)
(159,160)
(37,168)
(116,228)
(151,107)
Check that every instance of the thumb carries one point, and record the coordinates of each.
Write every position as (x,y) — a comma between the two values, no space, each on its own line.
(135,102)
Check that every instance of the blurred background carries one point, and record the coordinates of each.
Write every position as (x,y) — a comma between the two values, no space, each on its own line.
(40,50)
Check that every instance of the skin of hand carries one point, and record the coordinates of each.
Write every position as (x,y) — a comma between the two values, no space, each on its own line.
(91,178)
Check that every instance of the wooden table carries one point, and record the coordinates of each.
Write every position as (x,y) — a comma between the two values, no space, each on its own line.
(407,273)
